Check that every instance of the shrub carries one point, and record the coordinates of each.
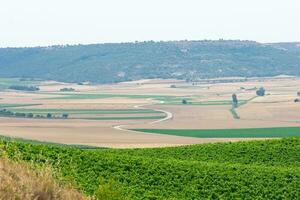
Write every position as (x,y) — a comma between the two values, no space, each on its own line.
(20,114)
(24,88)
(65,115)
(260,92)
(234,100)
(29,115)
(67,90)
(49,115)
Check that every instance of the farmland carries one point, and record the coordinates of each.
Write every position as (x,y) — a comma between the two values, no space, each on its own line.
(229,133)
(103,139)
(151,112)
(254,169)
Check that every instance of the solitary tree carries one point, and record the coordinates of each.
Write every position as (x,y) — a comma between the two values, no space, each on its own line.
(261,92)
(49,115)
(184,101)
(65,115)
(234,101)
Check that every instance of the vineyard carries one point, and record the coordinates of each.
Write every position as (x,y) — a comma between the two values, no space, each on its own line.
(245,170)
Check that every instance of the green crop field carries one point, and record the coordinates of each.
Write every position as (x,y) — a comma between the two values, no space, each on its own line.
(119,113)
(85,111)
(244,170)
(229,133)
(106,95)
(123,118)
(17,105)
(168,100)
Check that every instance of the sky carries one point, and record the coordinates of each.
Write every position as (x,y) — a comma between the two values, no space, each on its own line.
(57,22)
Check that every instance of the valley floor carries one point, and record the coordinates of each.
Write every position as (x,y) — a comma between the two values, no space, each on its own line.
(104,115)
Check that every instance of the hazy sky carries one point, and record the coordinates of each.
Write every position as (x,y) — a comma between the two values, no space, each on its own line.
(47,22)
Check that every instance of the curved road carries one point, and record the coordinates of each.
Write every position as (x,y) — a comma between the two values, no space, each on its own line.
(168,114)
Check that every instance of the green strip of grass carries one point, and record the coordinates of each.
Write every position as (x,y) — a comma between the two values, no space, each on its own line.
(106,95)
(123,118)
(17,105)
(85,111)
(229,133)
(167,100)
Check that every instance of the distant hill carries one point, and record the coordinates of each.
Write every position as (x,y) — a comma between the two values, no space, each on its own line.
(191,60)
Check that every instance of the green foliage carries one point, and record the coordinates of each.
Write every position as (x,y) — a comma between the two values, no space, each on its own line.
(186,60)
(235,102)
(233,112)
(67,90)
(29,115)
(184,101)
(276,132)
(260,92)
(110,190)
(24,88)
(244,170)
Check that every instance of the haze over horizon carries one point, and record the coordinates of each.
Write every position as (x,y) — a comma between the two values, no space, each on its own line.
(36,23)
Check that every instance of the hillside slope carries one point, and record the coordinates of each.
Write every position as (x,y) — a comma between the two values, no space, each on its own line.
(243,170)
(106,63)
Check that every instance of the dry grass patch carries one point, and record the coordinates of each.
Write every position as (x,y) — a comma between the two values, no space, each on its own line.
(20,181)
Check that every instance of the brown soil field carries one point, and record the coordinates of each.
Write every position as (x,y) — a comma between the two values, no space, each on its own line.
(91,133)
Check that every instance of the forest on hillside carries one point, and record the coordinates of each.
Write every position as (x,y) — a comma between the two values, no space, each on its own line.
(115,62)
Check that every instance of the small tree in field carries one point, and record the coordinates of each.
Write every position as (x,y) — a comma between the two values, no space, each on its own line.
(234,101)
(184,101)
(261,92)
(49,115)
(65,115)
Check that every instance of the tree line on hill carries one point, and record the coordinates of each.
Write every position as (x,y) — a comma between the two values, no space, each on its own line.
(67,90)
(186,60)
(24,88)
(8,113)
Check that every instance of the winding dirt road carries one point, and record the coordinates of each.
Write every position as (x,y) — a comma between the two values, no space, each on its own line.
(168,114)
